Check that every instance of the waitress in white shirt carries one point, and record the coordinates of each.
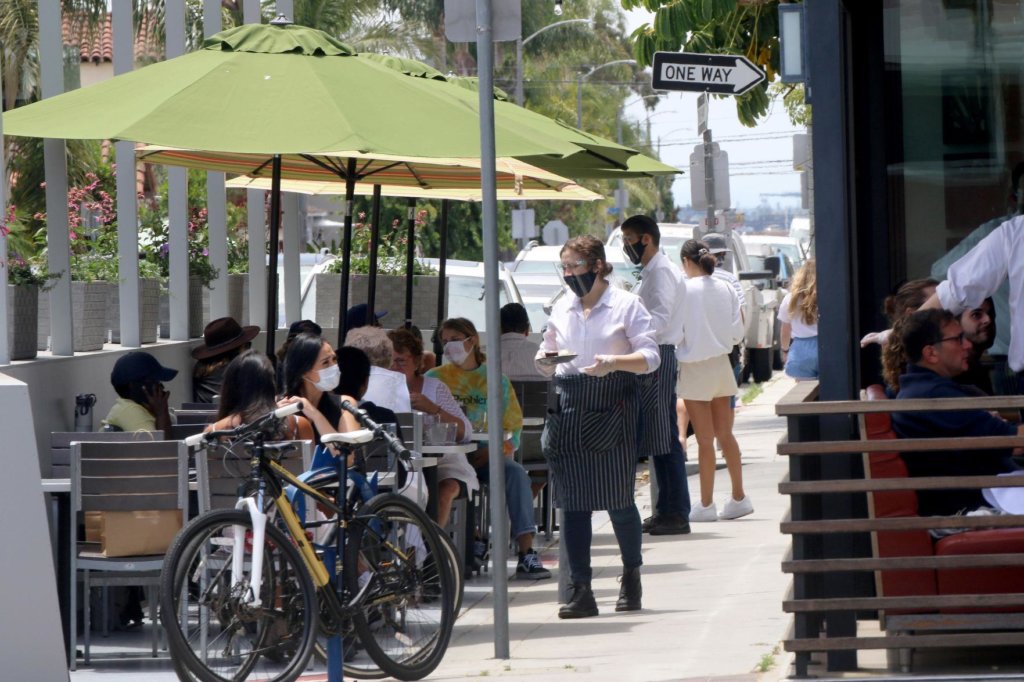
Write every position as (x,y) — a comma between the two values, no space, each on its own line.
(711,327)
(591,439)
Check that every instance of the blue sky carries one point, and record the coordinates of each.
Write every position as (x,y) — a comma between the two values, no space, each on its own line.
(760,159)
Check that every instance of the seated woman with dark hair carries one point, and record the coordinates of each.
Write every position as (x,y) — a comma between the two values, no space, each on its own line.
(310,372)
(249,393)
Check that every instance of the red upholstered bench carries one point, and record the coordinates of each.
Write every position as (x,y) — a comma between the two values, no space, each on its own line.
(911,543)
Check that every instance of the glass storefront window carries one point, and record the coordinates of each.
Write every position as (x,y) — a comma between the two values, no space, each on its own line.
(957,67)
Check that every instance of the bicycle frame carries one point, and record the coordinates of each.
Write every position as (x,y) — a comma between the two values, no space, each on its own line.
(272,480)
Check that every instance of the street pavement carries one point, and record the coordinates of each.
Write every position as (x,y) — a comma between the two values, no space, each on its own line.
(712,599)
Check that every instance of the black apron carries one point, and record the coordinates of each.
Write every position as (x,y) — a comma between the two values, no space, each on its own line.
(590,441)
(657,407)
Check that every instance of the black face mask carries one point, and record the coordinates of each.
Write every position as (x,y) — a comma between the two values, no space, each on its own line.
(634,252)
(581,284)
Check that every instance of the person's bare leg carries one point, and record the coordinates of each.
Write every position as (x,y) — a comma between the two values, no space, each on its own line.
(683,420)
(722,417)
(447,491)
(704,432)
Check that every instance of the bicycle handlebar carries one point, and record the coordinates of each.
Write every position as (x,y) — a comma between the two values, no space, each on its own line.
(245,429)
(395,445)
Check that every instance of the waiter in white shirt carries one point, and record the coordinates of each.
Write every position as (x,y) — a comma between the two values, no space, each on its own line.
(660,281)
(596,343)
(976,276)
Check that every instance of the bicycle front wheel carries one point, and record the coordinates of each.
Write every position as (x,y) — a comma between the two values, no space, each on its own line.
(221,628)
(402,580)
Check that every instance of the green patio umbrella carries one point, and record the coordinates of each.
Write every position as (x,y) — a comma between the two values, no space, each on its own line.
(282,89)
(597,158)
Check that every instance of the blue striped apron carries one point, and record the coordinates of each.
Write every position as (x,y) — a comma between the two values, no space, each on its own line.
(656,404)
(590,441)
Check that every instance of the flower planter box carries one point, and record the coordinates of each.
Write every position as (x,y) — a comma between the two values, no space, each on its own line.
(390,296)
(149,311)
(89,316)
(196,319)
(22,321)
(238,308)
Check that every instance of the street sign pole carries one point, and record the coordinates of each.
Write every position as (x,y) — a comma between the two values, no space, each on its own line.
(709,180)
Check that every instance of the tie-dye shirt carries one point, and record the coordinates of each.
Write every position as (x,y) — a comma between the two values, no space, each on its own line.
(470,390)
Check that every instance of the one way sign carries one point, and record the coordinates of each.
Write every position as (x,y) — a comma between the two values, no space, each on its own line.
(719,74)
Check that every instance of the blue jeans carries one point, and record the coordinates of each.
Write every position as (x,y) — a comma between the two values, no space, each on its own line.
(518,496)
(670,473)
(578,535)
(802,360)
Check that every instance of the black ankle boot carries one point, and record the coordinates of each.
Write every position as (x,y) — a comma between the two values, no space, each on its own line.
(631,591)
(581,603)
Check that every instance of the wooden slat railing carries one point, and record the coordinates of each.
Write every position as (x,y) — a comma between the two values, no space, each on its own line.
(809,601)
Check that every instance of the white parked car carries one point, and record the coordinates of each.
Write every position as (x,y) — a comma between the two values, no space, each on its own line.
(673,236)
(466,290)
(537,274)
(771,245)
(535,271)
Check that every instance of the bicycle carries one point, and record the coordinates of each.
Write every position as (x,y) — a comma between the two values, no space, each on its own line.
(245,594)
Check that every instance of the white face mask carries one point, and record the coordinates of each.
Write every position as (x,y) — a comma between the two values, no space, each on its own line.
(456,352)
(330,377)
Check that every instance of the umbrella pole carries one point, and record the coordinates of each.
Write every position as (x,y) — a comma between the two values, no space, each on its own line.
(371,289)
(275,230)
(410,260)
(441,288)
(346,249)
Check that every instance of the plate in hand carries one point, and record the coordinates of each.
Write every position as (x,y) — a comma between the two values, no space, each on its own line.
(556,359)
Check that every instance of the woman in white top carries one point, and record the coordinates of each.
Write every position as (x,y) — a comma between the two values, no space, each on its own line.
(798,328)
(590,441)
(431,396)
(711,327)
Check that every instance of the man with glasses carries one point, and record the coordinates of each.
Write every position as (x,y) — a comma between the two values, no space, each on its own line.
(937,351)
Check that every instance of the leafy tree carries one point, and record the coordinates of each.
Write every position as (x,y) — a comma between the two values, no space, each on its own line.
(747,27)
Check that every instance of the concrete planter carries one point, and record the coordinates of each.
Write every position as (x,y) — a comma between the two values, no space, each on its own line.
(89,316)
(22,321)
(238,308)
(196,312)
(390,296)
(149,311)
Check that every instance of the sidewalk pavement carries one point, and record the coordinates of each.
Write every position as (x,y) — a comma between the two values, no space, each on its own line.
(712,599)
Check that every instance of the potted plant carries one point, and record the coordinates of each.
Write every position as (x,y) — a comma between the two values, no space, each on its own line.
(153,240)
(24,282)
(391,271)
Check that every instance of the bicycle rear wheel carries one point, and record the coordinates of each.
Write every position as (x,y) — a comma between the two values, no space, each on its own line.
(215,630)
(400,574)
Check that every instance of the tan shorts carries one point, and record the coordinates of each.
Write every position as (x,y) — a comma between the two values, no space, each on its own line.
(706,379)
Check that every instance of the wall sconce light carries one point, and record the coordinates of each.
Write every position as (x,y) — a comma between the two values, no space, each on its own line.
(791,39)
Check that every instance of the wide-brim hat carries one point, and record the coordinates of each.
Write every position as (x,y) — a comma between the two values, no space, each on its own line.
(222,335)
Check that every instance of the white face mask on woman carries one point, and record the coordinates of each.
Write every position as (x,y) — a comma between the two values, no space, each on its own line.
(330,377)
(456,352)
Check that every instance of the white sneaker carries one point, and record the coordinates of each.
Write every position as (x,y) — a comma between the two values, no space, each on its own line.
(734,509)
(699,513)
